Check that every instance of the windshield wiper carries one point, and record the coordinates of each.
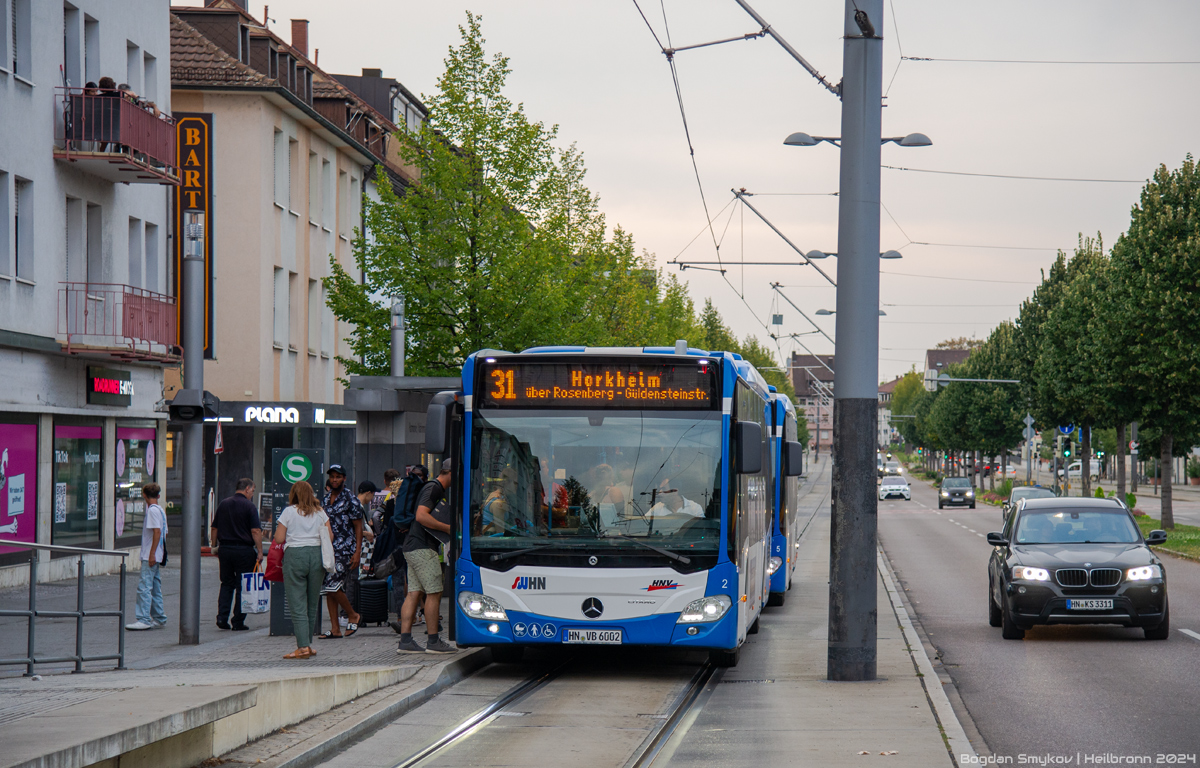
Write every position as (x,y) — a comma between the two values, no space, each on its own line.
(537,548)
(681,558)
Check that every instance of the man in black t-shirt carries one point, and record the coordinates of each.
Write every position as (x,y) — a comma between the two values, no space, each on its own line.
(237,534)
(424,571)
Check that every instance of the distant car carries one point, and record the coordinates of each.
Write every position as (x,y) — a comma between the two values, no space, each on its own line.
(1026,492)
(893,468)
(881,469)
(1075,561)
(894,486)
(956,492)
(1074,470)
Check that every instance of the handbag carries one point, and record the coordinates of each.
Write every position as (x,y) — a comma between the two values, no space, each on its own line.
(385,567)
(274,569)
(256,592)
(328,562)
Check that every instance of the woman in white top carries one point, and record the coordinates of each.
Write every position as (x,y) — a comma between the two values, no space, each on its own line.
(299,531)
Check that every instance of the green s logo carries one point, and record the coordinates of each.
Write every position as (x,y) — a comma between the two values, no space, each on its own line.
(296,467)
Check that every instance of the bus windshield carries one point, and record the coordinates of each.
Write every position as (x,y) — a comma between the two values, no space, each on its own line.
(571,481)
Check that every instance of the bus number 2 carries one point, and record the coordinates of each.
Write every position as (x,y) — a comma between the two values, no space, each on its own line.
(504,386)
(462,579)
(724,583)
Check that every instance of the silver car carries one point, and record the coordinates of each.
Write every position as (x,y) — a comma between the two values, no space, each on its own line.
(894,486)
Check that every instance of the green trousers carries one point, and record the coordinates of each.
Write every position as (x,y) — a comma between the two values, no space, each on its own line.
(302,577)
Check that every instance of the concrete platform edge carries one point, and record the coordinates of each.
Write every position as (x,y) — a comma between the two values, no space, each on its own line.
(308,756)
(956,736)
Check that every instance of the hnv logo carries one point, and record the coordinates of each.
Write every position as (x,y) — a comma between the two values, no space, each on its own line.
(658,584)
(529,582)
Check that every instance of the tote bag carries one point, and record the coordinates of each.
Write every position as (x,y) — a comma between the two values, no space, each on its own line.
(327,560)
(256,592)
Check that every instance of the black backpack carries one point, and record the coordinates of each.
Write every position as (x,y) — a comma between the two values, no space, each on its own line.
(405,511)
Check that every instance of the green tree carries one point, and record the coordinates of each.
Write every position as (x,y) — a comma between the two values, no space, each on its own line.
(905,395)
(1155,309)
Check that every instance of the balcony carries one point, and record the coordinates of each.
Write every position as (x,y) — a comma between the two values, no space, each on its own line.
(118,321)
(110,135)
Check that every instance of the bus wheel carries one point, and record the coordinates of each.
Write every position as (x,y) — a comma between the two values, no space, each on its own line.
(507,654)
(754,627)
(775,599)
(722,658)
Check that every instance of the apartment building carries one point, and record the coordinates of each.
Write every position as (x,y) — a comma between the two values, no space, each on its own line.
(294,151)
(87,319)
(812,378)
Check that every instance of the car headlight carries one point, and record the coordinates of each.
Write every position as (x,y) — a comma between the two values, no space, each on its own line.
(773,565)
(479,606)
(1144,572)
(945,493)
(1030,574)
(970,494)
(705,609)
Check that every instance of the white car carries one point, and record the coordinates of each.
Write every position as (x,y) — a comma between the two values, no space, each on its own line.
(894,486)
(1075,469)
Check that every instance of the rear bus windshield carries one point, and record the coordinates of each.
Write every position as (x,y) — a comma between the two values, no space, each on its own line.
(1076,526)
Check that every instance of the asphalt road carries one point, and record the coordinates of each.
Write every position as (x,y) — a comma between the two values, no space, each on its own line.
(1064,690)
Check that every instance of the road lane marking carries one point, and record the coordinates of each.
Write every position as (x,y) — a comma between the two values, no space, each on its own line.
(1190,633)
(980,535)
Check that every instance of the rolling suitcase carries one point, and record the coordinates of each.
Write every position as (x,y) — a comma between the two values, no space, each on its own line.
(372,601)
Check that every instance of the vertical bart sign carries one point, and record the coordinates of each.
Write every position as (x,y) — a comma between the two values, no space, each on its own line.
(193,145)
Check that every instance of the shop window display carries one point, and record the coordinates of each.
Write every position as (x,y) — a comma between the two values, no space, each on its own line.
(18,485)
(77,473)
(134,467)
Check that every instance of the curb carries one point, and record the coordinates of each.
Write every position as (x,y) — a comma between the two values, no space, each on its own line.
(455,671)
(956,738)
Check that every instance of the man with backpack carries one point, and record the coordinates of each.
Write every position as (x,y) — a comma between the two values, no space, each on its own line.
(429,530)
(399,513)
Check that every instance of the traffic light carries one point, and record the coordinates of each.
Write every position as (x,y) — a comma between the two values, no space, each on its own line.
(191,406)
(1070,447)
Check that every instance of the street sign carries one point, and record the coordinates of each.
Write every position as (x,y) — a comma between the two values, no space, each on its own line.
(1133,445)
(219,443)
(1029,433)
(288,466)
(1029,420)
(1067,429)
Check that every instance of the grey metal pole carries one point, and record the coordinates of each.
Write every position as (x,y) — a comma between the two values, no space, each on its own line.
(852,569)
(193,434)
(398,337)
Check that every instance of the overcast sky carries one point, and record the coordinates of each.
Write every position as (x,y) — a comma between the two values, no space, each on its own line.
(594,69)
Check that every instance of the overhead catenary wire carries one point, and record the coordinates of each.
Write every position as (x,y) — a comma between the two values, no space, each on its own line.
(1008,176)
(1113,62)
(963,279)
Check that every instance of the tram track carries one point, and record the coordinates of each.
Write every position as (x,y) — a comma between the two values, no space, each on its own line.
(659,743)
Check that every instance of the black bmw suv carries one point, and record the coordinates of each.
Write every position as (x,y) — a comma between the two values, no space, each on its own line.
(1075,561)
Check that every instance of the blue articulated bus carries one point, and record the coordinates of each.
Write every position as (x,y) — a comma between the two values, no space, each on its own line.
(618,496)
(788,457)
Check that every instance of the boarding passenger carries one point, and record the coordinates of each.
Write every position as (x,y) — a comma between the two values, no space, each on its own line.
(424,570)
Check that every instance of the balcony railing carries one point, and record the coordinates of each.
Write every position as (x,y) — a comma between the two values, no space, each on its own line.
(115,136)
(118,320)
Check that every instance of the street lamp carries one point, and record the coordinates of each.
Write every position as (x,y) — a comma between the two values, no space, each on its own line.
(834,312)
(802,139)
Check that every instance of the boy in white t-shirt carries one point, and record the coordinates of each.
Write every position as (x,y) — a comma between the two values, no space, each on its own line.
(149,612)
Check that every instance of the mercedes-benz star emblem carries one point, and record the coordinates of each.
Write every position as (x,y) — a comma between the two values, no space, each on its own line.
(592,608)
(593,560)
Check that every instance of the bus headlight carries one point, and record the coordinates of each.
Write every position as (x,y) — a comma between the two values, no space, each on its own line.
(479,606)
(705,609)
(773,565)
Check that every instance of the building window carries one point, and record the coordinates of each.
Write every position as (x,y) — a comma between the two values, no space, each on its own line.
(72,69)
(314,187)
(5,227)
(134,468)
(91,50)
(293,310)
(277,167)
(133,67)
(149,77)
(279,308)
(327,194)
(77,473)
(22,235)
(95,244)
(314,316)
(293,171)
(326,323)
(152,267)
(135,252)
(343,194)
(20,38)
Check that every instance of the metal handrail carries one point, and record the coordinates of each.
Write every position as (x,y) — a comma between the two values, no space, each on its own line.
(29,660)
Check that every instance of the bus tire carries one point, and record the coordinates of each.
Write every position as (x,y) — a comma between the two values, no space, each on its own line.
(507,654)
(754,627)
(724,658)
(775,599)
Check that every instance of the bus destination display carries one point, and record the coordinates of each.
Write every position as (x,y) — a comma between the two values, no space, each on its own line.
(625,384)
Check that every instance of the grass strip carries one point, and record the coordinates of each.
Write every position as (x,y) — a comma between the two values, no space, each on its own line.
(1182,540)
